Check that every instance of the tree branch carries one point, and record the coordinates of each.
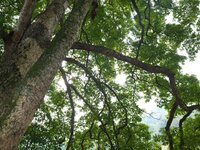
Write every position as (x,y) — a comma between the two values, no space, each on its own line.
(102,126)
(148,17)
(142,27)
(100,87)
(133,61)
(169,122)
(181,144)
(149,68)
(112,53)
(70,142)
(121,103)
(23,22)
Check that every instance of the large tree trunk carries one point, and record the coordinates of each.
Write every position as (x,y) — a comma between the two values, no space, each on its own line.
(25,74)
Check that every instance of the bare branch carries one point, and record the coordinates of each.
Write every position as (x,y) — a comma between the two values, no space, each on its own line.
(151,115)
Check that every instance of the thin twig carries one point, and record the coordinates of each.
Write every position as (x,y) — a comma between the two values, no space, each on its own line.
(142,27)
(72,121)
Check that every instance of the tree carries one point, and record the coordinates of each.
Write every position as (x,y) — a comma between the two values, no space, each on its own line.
(85,43)
(188,140)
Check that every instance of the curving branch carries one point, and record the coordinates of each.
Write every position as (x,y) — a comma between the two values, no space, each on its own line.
(88,131)
(103,125)
(141,25)
(181,144)
(149,68)
(142,65)
(124,108)
(100,87)
(148,16)
(133,61)
(169,122)
(72,121)
(23,22)
(112,53)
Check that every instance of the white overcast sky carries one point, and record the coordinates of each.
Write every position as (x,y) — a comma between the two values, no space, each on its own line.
(189,67)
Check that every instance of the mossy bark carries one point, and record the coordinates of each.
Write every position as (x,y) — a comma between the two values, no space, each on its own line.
(27,74)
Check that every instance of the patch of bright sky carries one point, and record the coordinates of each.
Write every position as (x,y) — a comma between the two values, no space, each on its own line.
(170,20)
(120,78)
(191,67)
(149,107)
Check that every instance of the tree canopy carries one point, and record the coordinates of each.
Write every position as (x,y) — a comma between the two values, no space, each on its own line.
(59,60)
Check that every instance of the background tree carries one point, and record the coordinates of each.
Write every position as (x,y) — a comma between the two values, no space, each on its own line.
(87,43)
(188,140)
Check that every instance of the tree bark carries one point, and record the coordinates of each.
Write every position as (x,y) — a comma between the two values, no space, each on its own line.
(25,77)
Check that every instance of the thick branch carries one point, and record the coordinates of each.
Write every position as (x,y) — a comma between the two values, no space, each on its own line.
(111,53)
(181,144)
(149,68)
(193,107)
(169,122)
(133,61)
(23,22)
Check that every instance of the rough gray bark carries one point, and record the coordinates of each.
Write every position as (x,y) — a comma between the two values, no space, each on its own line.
(27,74)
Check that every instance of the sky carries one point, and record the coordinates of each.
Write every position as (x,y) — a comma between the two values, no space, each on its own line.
(158,115)
(192,67)
(189,67)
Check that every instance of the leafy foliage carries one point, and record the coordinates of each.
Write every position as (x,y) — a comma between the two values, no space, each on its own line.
(107,115)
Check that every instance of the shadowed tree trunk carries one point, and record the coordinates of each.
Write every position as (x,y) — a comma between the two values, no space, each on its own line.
(30,65)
